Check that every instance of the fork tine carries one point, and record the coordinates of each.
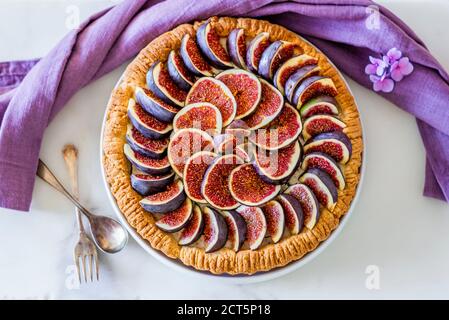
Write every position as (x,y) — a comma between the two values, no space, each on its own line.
(84,268)
(91,259)
(97,271)
(77,264)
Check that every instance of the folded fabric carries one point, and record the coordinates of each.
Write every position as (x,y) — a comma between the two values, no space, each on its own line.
(348,31)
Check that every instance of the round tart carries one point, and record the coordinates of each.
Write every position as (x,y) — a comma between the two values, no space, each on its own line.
(272,156)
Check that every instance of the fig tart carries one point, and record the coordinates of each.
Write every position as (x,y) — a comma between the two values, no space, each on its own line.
(232,145)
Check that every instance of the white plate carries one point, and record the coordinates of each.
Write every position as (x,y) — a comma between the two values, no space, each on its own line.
(238,279)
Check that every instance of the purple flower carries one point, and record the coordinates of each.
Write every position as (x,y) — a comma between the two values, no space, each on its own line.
(377,66)
(382,84)
(393,55)
(401,68)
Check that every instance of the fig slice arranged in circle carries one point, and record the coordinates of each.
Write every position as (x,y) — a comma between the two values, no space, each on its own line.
(327,164)
(313,87)
(194,228)
(209,43)
(160,82)
(255,49)
(297,77)
(335,144)
(175,220)
(216,92)
(277,166)
(309,203)
(153,148)
(236,44)
(193,59)
(321,123)
(294,216)
(184,143)
(275,55)
(256,225)
(236,229)
(280,132)
(154,105)
(322,186)
(215,230)
(179,72)
(289,67)
(146,164)
(165,201)
(245,88)
(268,109)
(247,187)
(274,214)
(201,115)
(320,105)
(145,123)
(216,181)
(146,184)
(194,172)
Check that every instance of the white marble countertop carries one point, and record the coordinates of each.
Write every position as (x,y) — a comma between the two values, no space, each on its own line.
(394,231)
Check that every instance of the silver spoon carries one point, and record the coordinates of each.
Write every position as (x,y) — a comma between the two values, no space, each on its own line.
(108,234)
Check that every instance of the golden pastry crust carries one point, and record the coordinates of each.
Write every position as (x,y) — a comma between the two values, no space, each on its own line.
(117,169)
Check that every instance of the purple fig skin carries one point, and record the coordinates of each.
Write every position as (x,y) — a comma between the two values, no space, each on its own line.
(337,135)
(327,181)
(321,117)
(261,37)
(144,168)
(146,187)
(188,62)
(233,48)
(154,154)
(323,99)
(298,76)
(153,86)
(304,85)
(221,230)
(305,166)
(186,215)
(176,74)
(240,225)
(311,199)
(145,130)
(296,208)
(154,108)
(198,232)
(168,205)
(201,39)
(265,60)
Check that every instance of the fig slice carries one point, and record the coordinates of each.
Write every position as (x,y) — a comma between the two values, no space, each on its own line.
(289,67)
(327,164)
(274,214)
(297,77)
(313,87)
(179,72)
(209,43)
(225,143)
(268,109)
(322,186)
(201,115)
(245,88)
(216,92)
(216,180)
(255,49)
(153,148)
(165,201)
(280,132)
(335,144)
(275,55)
(146,184)
(236,229)
(146,124)
(193,229)
(193,59)
(321,123)
(320,105)
(277,166)
(247,187)
(236,44)
(215,230)
(193,175)
(175,220)
(184,143)
(294,216)
(154,106)
(146,164)
(256,225)
(309,203)
(160,82)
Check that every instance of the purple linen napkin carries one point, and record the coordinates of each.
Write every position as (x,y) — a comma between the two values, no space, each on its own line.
(32,92)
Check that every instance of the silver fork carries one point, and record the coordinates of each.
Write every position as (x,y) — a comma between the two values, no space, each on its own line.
(85,248)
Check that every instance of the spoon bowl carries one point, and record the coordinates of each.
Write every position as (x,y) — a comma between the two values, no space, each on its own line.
(108,234)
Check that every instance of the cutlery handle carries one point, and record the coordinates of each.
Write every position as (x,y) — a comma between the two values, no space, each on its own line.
(45,174)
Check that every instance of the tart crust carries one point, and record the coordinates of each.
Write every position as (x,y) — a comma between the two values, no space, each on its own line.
(117,169)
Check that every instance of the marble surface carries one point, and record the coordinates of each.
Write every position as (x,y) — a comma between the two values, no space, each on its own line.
(394,246)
